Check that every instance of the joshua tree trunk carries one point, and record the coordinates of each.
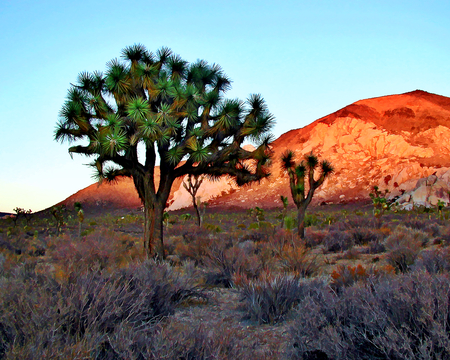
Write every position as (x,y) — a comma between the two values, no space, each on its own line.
(197,211)
(193,183)
(301,212)
(153,228)
(154,206)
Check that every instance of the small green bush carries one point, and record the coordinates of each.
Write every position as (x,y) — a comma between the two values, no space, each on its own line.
(253,226)
(213,228)
(311,220)
(290,223)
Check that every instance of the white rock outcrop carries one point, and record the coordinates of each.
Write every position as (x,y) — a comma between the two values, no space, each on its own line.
(427,192)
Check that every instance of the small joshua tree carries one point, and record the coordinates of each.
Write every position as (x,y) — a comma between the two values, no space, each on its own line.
(192,186)
(58,214)
(259,214)
(20,212)
(28,215)
(380,202)
(298,175)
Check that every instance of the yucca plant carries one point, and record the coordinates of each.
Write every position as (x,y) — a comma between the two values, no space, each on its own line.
(175,113)
(298,176)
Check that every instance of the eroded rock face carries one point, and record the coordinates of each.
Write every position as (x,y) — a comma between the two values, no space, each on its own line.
(389,141)
(428,192)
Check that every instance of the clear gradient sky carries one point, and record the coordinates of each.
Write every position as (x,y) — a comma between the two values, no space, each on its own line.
(307,58)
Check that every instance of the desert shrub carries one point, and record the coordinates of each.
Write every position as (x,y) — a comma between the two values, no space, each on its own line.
(384,231)
(315,238)
(280,239)
(337,241)
(350,254)
(269,299)
(253,226)
(18,242)
(416,224)
(363,236)
(290,223)
(403,246)
(195,341)
(402,258)
(399,317)
(444,237)
(2,263)
(88,311)
(101,249)
(311,220)
(249,247)
(212,228)
(433,229)
(171,244)
(23,244)
(434,261)
(344,276)
(354,223)
(195,250)
(299,260)
(190,234)
(255,235)
(328,220)
(267,227)
(376,247)
(223,262)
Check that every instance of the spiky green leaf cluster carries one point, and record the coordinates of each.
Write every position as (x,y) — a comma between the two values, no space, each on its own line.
(147,106)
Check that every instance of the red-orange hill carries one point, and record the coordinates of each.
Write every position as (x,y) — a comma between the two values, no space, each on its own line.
(398,137)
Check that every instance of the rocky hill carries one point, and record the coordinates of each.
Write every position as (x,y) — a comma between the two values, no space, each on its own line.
(390,141)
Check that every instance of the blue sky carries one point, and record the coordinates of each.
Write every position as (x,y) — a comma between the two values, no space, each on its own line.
(307,59)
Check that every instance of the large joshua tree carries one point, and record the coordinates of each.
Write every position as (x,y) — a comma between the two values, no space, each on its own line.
(298,176)
(157,107)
